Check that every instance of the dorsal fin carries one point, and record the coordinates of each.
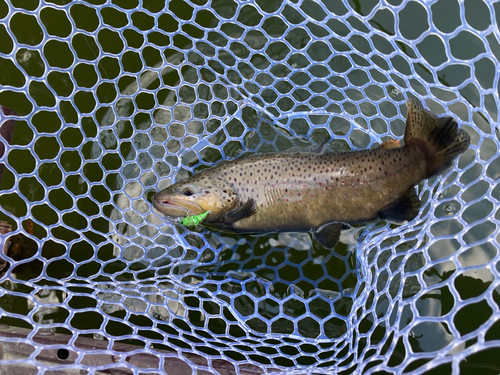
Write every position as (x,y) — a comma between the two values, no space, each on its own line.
(313,149)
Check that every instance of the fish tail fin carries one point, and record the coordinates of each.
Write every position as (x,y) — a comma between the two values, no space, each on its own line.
(439,137)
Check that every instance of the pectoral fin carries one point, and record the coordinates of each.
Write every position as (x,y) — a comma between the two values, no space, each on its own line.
(246,210)
(328,235)
(402,209)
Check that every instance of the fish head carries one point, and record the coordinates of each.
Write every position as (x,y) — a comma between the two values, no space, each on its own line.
(192,196)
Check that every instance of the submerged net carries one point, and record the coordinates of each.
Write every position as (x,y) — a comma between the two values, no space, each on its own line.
(111,101)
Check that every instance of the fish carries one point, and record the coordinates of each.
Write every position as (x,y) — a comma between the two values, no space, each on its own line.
(309,190)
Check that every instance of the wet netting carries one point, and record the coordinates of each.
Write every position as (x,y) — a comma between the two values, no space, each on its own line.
(106,102)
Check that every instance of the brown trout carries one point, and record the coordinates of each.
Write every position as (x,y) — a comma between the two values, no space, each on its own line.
(309,190)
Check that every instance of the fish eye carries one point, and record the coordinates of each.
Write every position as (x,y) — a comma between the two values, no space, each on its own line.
(187,192)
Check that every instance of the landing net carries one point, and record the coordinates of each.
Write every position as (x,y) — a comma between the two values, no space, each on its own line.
(111,101)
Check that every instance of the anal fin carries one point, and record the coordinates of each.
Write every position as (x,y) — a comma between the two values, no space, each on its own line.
(246,210)
(405,208)
(328,235)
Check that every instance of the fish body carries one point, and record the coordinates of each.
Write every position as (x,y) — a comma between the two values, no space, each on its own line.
(311,190)
(297,192)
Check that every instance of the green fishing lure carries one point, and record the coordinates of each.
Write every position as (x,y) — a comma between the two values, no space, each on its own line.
(191,221)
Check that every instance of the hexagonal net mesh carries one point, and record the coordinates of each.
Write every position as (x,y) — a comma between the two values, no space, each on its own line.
(106,102)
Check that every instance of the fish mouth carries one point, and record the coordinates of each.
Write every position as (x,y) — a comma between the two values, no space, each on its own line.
(172,207)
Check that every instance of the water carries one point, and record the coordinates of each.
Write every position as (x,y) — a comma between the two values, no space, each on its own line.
(107,115)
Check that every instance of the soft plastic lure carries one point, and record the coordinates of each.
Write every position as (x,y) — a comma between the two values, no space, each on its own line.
(191,221)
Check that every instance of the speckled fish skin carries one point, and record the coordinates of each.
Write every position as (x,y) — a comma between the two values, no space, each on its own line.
(298,192)
(302,191)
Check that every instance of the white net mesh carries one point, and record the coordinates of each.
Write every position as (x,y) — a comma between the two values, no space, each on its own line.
(114,100)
